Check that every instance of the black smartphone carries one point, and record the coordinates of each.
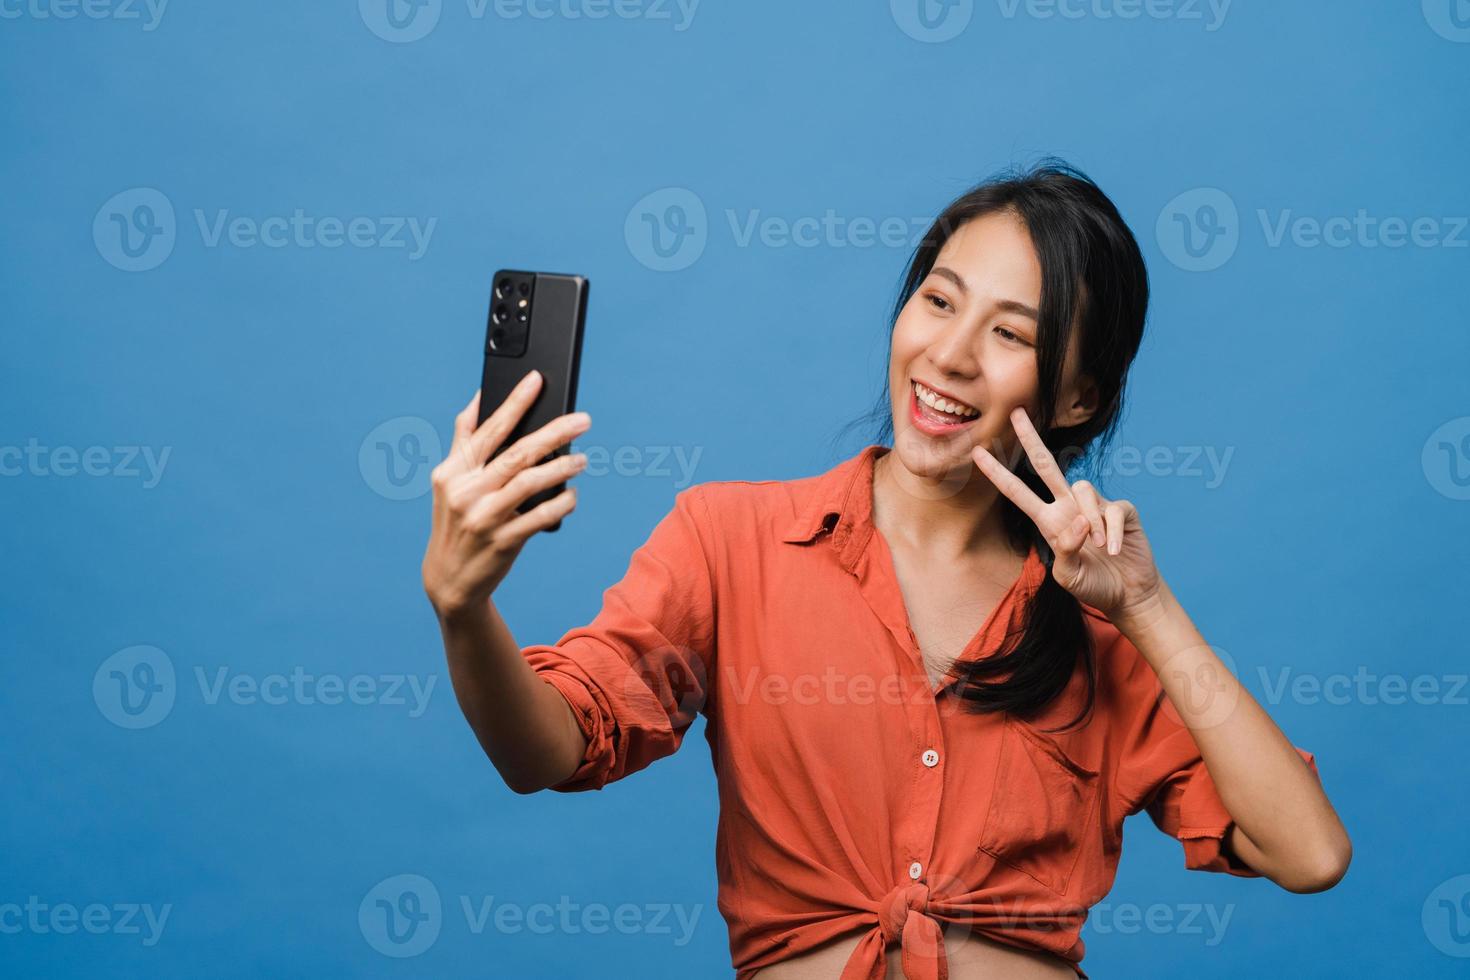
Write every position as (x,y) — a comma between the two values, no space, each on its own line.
(536,321)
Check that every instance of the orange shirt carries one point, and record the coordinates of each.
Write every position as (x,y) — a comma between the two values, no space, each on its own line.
(854,796)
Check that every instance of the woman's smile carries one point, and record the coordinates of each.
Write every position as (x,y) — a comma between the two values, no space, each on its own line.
(935,414)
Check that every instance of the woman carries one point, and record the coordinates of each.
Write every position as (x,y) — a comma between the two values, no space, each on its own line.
(936,677)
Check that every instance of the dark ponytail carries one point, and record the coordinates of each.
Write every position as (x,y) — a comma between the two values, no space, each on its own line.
(1093,276)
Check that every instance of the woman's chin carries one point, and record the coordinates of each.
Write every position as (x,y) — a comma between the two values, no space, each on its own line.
(922,459)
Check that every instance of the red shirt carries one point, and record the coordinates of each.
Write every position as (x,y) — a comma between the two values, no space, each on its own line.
(854,796)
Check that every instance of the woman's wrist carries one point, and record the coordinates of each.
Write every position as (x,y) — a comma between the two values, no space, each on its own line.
(1148,613)
(460,613)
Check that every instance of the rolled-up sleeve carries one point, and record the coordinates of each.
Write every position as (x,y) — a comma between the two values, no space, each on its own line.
(637,675)
(1161,771)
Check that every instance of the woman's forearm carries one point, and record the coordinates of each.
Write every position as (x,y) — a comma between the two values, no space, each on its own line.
(525,726)
(1285,826)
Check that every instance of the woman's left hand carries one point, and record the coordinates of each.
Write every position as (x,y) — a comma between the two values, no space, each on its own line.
(1102,554)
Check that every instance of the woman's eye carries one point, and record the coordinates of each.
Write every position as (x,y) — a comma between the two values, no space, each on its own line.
(1006,334)
(937,301)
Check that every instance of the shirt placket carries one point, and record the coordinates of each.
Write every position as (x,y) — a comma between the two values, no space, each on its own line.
(878,584)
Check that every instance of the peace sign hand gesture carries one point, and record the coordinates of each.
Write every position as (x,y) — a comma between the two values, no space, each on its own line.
(1102,555)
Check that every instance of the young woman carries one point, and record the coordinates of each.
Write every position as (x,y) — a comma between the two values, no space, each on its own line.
(938,676)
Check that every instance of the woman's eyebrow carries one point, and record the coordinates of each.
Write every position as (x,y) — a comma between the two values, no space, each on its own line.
(946,272)
(1005,305)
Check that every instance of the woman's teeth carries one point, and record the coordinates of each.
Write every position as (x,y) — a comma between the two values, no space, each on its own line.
(944,405)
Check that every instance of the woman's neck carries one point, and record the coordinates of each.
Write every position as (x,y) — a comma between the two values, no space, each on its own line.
(956,518)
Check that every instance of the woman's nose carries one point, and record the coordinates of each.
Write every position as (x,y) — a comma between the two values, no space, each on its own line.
(953,352)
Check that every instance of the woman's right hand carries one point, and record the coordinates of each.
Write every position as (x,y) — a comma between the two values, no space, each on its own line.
(477,532)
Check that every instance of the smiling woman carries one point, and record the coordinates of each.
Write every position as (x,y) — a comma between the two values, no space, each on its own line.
(934,675)
(1029,292)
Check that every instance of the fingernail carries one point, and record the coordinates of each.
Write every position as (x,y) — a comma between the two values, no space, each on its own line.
(581,418)
(529,375)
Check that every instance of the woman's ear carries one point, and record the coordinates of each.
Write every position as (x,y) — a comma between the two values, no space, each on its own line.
(1078,404)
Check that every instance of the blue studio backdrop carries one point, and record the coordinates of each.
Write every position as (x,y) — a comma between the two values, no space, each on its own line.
(247,252)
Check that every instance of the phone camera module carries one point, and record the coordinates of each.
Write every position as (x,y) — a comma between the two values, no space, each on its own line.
(509,333)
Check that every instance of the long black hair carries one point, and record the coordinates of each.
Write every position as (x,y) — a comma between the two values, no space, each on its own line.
(1093,277)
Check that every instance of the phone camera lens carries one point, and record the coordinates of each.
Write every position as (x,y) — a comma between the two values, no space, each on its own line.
(500,313)
(503,288)
(522,316)
(525,289)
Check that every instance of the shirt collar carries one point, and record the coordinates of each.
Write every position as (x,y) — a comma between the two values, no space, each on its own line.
(844,489)
(841,502)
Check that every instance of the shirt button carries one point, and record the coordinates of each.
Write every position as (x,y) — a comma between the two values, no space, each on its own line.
(931,758)
(915,870)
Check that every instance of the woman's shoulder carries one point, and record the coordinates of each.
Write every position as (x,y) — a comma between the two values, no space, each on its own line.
(784,505)
(753,511)
(731,502)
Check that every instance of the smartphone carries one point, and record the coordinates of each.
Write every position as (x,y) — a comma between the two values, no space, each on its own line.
(536,321)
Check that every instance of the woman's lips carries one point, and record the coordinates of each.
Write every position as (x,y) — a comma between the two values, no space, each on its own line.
(931,422)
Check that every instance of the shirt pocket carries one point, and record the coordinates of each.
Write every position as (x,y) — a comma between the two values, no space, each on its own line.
(1042,809)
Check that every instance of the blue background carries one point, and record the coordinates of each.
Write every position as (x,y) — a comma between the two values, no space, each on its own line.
(272,541)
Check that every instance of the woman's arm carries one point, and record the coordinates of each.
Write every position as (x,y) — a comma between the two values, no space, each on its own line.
(1285,827)
(525,726)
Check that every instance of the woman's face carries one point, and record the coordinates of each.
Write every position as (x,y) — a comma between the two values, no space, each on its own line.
(966,341)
